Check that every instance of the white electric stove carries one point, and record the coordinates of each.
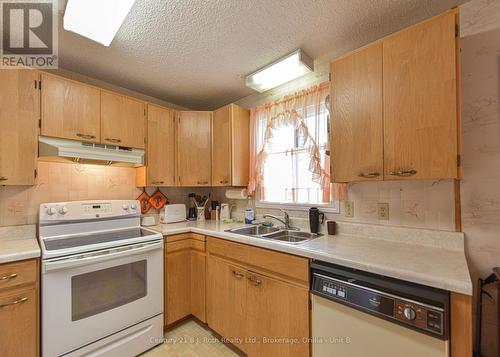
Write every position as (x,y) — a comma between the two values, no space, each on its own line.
(102,279)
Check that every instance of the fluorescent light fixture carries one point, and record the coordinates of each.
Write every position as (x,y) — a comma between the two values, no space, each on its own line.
(292,66)
(98,20)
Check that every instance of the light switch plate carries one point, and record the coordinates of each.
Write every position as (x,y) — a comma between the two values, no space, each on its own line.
(348,209)
(383,211)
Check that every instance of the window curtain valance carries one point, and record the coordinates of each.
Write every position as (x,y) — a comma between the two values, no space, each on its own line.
(302,112)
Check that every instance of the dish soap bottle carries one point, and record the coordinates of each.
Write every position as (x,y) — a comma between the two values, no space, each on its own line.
(249,214)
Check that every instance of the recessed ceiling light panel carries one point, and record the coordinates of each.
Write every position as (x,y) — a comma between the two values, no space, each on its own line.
(98,20)
(290,67)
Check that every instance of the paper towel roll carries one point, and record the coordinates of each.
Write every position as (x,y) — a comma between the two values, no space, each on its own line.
(237,194)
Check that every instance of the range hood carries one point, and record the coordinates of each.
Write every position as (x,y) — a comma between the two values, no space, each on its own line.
(52,149)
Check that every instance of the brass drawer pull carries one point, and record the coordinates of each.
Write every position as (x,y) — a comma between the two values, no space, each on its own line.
(237,274)
(8,277)
(403,173)
(17,302)
(157,182)
(224,181)
(254,280)
(113,140)
(202,182)
(369,174)
(85,136)
(3,178)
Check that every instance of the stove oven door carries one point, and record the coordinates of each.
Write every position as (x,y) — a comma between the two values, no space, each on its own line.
(90,296)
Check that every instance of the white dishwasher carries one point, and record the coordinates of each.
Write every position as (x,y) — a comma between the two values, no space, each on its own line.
(357,314)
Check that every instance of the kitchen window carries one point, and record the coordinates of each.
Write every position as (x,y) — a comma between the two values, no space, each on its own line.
(290,138)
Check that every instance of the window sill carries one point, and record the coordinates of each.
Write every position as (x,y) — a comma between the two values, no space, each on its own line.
(333,208)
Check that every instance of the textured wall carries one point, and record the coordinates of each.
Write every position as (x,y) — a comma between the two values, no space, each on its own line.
(480,44)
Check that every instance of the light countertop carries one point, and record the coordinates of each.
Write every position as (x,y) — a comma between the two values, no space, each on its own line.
(427,257)
(18,243)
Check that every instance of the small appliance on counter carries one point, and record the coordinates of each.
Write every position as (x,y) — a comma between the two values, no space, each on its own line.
(173,213)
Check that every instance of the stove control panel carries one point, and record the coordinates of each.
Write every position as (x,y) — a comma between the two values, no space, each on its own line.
(85,210)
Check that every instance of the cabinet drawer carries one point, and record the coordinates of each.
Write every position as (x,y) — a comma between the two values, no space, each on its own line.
(182,236)
(184,244)
(282,264)
(18,273)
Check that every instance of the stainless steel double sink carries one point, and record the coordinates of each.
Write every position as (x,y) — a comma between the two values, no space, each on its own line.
(275,234)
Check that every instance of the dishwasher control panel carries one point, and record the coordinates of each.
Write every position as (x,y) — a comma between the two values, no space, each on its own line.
(416,315)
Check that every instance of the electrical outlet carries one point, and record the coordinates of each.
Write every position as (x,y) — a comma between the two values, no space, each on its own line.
(383,211)
(348,209)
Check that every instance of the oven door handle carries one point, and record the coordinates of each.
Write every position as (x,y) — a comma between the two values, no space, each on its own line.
(99,256)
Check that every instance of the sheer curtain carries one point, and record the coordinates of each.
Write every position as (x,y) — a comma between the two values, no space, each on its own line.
(289,160)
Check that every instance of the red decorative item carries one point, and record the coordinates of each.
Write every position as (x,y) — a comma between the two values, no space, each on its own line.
(144,201)
(158,200)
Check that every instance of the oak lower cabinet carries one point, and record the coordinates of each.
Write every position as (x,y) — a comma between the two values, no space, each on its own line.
(184,277)
(227,300)
(394,106)
(258,299)
(230,146)
(160,169)
(19,308)
(19,115)
(70,109)
(123,120)
(194,148)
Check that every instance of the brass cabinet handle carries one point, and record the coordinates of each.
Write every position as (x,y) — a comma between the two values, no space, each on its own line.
(224,181)
(3,178)
(255,280)
(157,182)
(8,277)
(202,182)
(403,173)
(17,302)
(369,174)
(113,140)
(85,136)
(237,274)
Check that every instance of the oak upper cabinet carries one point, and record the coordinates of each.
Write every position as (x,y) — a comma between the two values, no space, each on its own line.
(193,143)
(122,120)
(394,106)
(420,101)
(230,146)
(161,146)
(19,115)
(70,109)
(356,120)
(227,300)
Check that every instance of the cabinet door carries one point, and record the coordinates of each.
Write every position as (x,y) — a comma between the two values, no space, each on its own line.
(122,120)
(276,310)
(70,110)
(193,154)
(19,321)
(226,300)
(19,115)
(198,281)
(221,147)
(240,145)
(161,146)
(177,295)
(420,101)
(356,130)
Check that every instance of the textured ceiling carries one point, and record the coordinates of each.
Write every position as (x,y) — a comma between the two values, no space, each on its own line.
(195,52)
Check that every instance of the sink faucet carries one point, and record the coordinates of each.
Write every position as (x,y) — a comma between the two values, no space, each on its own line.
(285,220)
